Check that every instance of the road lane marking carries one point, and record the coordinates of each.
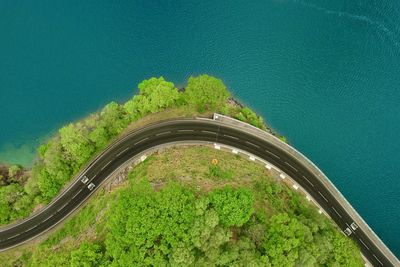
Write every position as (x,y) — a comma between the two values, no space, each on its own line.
(295,187)
(30,229)
(252,144)
(120,153)
(252,158)
(363,243)
(282,176)
(336,212)
(230,136)
(106,165)
(204,131)
(77,193)
(269,167)
(63,206)
(377,259)
(323,196)
(188,130)
(272,154)
(140,141)
(308,181)
(167,132)
(13,236)
(291,166)
(46,219)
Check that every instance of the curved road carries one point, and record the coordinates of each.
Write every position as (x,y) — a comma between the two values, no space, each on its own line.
(184,130)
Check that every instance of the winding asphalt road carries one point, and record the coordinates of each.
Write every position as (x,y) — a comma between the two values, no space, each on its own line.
(184,130)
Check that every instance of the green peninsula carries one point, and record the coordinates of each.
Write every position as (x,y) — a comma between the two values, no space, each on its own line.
(182,206)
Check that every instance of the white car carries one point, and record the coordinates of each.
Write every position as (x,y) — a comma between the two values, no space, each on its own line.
(84,179)
(354,226)
(91,186)
(347,231)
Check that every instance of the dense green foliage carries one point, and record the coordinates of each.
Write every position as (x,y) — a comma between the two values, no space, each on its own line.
(249,116)
(14,202)
(155,94)
(213,222)
(206,92)
(233,206)
(176,227)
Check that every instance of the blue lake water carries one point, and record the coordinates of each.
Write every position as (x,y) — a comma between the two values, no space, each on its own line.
(326,74)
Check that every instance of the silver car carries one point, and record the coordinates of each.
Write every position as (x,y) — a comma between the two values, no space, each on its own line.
(84,179)
(354,226)
(91,186)
(347,231)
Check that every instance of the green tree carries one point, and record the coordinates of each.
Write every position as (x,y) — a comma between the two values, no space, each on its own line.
(76,144)
(13,170)
(155,94)
(249,116)
(147,227)
(284,239)
(205,92)
(113,119)
(234,206)
(53,171)
(100,137)
(345,251)
(87,255)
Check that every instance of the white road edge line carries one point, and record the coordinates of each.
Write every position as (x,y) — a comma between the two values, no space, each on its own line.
(188,130)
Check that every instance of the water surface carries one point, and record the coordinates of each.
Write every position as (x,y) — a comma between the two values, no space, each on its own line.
(326,74)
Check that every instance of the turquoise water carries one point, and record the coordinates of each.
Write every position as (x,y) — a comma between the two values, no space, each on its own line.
(326,74)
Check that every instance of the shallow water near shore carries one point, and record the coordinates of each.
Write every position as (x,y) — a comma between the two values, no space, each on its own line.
(325,74)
